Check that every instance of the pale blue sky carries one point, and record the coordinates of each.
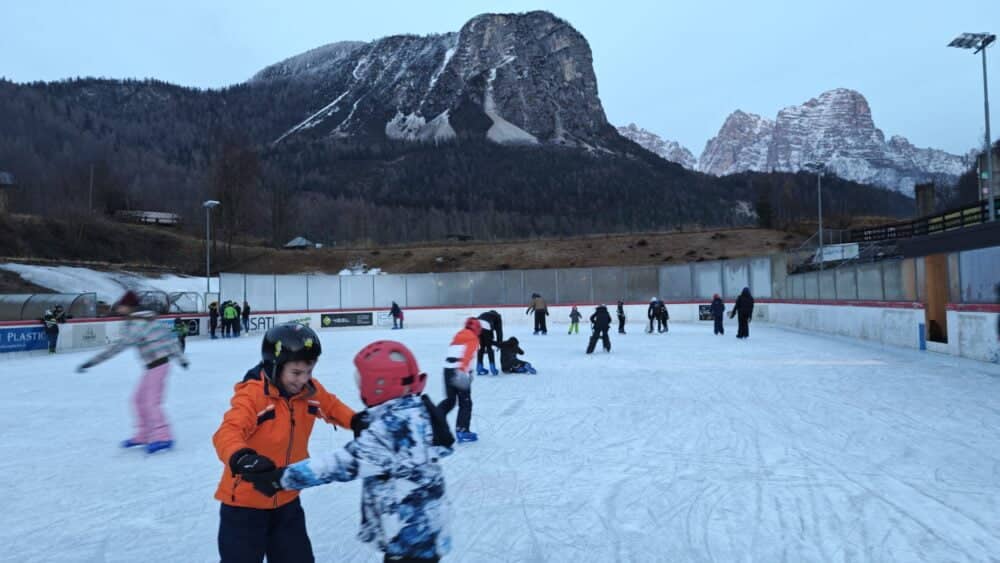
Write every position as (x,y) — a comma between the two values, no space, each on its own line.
(676,68)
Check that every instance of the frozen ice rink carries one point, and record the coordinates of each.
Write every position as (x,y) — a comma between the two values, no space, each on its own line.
(681,447)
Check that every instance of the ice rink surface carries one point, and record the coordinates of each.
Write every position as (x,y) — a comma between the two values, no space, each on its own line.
(680,447)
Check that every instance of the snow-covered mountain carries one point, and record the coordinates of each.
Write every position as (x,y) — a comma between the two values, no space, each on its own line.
(668,150)
(835,129)
(511,78)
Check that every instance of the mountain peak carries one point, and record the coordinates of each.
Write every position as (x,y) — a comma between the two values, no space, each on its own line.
(665,149)
(835,128)
(511,78)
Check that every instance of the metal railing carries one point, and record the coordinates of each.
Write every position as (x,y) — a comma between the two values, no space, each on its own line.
(950,220)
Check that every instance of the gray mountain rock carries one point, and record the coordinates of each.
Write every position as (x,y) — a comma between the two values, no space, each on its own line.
(666,149)
(835,129)
(511,78)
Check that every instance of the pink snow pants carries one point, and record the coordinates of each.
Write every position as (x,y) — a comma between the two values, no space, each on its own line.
(150,423)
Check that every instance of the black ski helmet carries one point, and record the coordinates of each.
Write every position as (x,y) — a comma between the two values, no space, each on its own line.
(289,342)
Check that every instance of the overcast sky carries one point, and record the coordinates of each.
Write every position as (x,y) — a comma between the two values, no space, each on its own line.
(675,68)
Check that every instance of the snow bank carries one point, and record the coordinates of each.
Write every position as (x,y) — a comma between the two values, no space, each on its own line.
(108,285)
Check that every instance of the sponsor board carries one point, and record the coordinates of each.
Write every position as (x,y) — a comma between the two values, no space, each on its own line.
(705,313)
(256,323)
(340,320)
(89,335)
(23,339)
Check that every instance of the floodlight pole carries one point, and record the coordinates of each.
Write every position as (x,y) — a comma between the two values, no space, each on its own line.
(208,205)
(989,145)
(819,200)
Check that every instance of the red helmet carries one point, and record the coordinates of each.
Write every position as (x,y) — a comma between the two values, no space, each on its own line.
(387,370)
(474,325)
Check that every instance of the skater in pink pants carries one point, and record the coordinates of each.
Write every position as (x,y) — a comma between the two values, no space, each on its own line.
(157,345)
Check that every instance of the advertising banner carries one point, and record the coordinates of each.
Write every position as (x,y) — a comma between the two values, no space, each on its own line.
(23,339)
(341,320)
(705,313)
(89,335)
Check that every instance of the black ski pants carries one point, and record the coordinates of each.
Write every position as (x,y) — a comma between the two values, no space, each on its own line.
(246,535)
(599,333)
(486,348)
(540,321)
(719,329)
(621,325)
(464,399)
(744,326)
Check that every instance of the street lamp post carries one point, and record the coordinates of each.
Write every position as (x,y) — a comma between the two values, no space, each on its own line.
(979,42)
(818,168)
(208,205)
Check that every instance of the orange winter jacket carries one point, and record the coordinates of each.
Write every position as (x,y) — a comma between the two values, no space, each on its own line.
(462,350)
(261,419)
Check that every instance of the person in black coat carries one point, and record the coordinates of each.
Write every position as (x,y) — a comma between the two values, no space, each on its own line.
(621,317)
(213,318)
(52,319)
(662,316)
(744,310)
(654,303)
(509,362)
(397,315)
(490,336)
(600,321)
(246,317)
(718,309)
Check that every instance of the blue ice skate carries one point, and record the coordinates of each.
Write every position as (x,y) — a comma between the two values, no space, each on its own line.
(159,445)
(466,436)
(132,443)
(493,370)
(529,369)
(480,370)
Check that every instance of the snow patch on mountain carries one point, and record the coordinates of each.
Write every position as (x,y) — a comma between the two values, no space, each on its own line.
(665,149)
(835,129)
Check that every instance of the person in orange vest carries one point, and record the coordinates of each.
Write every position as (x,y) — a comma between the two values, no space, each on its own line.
(458,378)
(268,424)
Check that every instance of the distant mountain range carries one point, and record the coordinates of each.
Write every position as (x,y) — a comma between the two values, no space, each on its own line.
(495,131)
(835,129)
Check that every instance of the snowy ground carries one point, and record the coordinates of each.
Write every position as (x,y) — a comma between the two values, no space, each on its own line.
(109,286)
(685,447)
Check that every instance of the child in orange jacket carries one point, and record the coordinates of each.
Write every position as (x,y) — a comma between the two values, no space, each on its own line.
(458,378)
(269,423)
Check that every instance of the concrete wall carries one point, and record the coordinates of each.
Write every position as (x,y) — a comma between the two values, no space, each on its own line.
(973,334)
(896,325)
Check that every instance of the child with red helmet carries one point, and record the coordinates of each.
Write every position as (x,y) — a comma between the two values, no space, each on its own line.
(403,507)
(458,378)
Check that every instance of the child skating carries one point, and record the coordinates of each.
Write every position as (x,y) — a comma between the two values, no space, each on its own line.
(509,362)
(157,345)
(574,321)
(404,511)
(458,378)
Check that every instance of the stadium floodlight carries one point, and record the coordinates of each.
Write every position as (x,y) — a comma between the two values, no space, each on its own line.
(818,168)
(979,42)
(208,205)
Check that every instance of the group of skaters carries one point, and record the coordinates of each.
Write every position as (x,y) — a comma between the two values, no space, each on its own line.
(233,317)
(657,314)
(400,435)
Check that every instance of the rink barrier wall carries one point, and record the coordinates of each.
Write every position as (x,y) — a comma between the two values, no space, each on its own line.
(971,328)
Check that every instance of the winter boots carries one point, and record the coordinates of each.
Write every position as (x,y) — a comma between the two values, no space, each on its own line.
(465,436)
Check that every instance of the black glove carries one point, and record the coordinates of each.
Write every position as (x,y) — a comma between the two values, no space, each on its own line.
(185,364)
(359,422)
(246,461)
(267,483)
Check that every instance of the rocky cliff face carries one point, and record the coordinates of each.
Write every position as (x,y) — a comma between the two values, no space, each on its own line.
(511,78)
(668,150)
(835,129)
